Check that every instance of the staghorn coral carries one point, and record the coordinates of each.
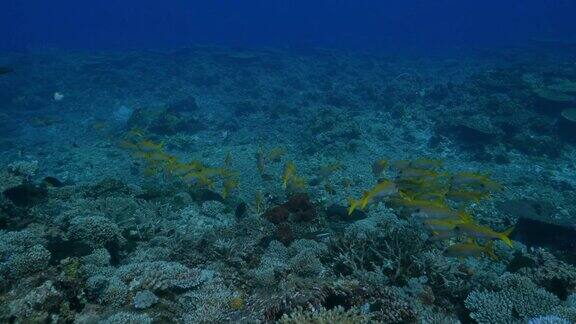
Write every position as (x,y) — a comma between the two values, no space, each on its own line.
(286,295)
(161,275)
(447,277)
(211,303)
(325,316)
(390,252)
(113,287)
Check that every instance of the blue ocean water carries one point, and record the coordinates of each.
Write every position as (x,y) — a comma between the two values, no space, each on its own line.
(352,24)
(288,161)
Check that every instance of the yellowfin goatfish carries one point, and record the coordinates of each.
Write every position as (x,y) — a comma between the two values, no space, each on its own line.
(483,232)
(470,249)
(382,190)
(289,172)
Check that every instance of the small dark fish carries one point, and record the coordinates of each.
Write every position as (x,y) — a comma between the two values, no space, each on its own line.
(5,70)
(241,210)
(52,182)
(316,181)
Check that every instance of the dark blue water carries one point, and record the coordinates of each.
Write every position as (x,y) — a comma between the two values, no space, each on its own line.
(365,24)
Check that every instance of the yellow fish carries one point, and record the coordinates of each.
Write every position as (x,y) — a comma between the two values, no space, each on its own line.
(275,154)
(258,201)
(229,185)
(444,235)
(462,196)
(446,224)
(147,146)
(260,161)
(419,174)
(427,209)
(296,184)
(289,172)
(382,190)
(355,203)
(484,232)
(471,249)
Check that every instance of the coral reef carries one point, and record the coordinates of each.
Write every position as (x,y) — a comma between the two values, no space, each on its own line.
(277,185)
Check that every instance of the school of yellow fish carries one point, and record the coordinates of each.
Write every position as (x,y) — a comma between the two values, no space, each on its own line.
(418,189)
(194,172)
(437,200)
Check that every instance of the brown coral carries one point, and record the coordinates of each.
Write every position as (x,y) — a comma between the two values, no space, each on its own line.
(301,207)
(277,214)
(284,233)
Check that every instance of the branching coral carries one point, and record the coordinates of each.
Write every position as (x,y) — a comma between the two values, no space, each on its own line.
(389,253)
(209,304)
(518,298)
(324,316)
(447,278)
(160,275)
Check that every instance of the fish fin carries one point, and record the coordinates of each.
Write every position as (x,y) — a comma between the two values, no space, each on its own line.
(504,236)
(465,217)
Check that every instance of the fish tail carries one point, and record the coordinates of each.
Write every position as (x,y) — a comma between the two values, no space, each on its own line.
(353,204)
(364,201)
(504,236)
(465,217)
